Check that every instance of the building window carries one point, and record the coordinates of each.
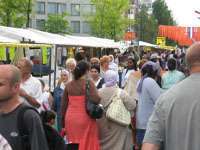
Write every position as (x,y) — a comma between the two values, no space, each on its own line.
(86,27)
(55,8)
(75,9)
(62,8)
(86,9)
(40,24)
(75,25)
(149,5)
(52,8)
(40,7)
(93,9)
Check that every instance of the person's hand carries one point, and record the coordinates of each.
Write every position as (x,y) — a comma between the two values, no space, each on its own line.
(22,93)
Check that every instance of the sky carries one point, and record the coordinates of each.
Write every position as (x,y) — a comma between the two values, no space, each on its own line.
(183,12)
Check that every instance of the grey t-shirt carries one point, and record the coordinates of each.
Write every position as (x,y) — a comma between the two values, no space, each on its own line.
(8,128)
(175,121)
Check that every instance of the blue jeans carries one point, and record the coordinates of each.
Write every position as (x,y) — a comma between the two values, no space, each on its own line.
(140,136)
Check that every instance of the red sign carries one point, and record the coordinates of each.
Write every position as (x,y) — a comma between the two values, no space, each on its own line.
(129,36)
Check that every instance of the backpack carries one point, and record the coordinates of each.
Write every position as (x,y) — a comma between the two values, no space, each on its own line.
(54,140)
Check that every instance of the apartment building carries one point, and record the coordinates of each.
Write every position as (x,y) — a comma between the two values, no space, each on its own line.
(148,4)
(77,11)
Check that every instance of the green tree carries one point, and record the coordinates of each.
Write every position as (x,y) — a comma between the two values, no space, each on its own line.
(8,8)
(163,16)
(15,12)
(57,23)
(162,13)
(109,19)
(26,8)
(146,25)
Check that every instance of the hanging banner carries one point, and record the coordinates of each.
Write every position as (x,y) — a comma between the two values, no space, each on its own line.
(70,52)
(44,55)
(3,53)
(12,53)
(161,41)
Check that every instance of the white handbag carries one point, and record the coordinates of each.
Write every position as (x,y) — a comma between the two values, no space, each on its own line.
(117,111)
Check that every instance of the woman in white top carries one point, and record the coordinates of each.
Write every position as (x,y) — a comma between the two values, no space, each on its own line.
(131,67)
(70,66)
(95,75)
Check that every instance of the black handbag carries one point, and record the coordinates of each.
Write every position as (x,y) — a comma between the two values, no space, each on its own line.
(95,111)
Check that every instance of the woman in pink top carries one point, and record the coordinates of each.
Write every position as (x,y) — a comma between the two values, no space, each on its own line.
(80,128)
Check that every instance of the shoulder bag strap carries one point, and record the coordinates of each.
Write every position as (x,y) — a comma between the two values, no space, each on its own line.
(118,93)
(111,99)
(87,89)
(23,131)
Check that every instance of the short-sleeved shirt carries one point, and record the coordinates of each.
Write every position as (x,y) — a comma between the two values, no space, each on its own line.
(33,88)
(170,78)
(9,129)
(175,122)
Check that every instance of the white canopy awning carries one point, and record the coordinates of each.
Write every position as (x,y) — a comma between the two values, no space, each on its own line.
(4,39)
(36,36)
(142,43)
(94,42)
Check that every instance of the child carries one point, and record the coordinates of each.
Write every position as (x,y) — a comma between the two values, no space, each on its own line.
(55,141)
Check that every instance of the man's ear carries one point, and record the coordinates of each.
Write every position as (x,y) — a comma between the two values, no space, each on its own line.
(16,87)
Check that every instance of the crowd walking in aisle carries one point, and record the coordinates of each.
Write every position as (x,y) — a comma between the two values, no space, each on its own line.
(146,102)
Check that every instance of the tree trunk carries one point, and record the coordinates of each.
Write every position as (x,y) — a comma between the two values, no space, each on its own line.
(8,19)
(28,13)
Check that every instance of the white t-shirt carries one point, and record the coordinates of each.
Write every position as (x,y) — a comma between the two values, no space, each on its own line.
(45,101)
(4,145)
(32,87)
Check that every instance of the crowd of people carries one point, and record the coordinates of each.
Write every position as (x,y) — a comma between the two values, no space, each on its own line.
(158,91)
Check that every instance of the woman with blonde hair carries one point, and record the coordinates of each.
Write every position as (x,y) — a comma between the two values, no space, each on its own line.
(70,66)
(104,64)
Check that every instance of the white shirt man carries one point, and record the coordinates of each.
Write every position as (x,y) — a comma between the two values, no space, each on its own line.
(33,88)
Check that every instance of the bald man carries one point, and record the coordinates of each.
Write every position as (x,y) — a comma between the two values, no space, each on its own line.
(10,106)
(30,88)
(175,122)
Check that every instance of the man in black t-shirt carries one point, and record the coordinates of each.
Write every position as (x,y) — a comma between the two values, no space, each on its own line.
(10,105)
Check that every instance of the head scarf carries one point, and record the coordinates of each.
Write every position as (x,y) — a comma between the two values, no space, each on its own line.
(155,67)
(110,78)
